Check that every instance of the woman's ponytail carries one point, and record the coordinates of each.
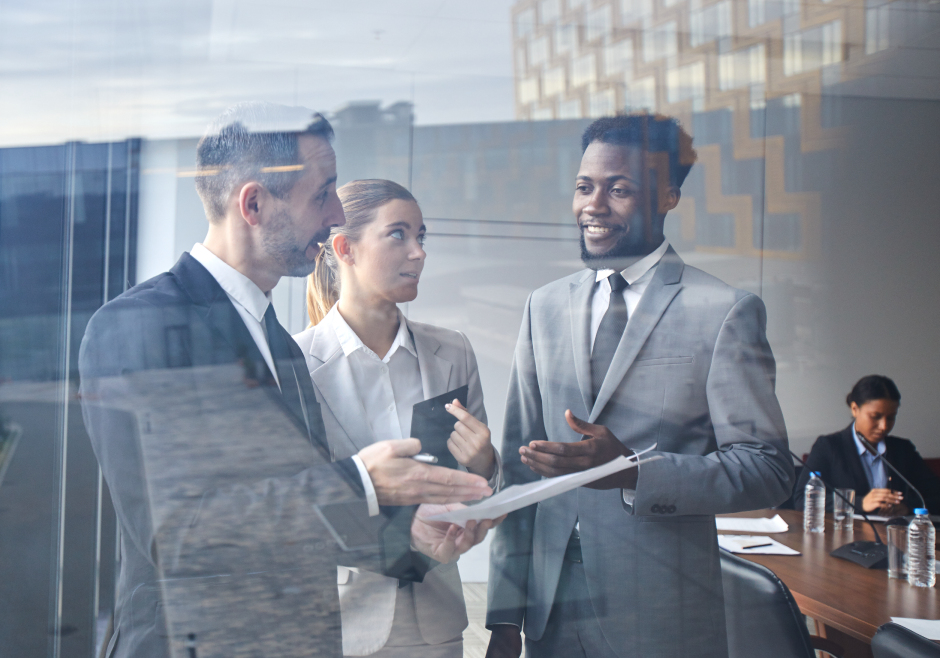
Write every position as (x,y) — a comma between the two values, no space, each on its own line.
(322,288)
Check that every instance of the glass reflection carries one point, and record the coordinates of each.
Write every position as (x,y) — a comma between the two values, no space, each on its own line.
(814,129)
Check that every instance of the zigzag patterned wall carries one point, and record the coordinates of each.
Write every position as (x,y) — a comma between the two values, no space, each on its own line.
(691,59)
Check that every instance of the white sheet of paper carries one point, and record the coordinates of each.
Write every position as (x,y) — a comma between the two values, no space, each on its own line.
(877,518)
(732,524)
(929,628)
(737,544)
(522,495)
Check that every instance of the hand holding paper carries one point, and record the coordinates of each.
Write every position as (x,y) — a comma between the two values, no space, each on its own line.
(598,446)
(443,541)
(522,495)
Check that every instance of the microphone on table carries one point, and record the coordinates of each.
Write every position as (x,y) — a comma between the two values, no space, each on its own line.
(868,554)
(872,450)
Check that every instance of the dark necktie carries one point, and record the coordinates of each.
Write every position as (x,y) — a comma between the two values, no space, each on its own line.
(609,332)
(282,357)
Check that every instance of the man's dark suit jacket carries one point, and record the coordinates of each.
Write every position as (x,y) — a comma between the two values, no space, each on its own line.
(836,458)
(244,549)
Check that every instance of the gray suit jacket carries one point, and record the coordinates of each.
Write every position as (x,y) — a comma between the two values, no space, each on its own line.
(446,361)
(693,373)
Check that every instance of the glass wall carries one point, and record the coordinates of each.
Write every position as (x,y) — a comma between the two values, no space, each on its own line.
(815,128)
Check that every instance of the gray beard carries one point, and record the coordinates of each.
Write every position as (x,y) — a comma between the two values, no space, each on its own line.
(280,243)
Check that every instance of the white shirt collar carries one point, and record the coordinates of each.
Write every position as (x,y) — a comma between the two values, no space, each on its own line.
(238,286)
(350,342)
(862,450)
(633,273)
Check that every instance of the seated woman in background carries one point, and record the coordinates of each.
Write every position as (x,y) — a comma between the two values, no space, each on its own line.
(369,366)
(844,462)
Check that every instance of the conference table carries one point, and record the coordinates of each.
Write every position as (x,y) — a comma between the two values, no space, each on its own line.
(847,602)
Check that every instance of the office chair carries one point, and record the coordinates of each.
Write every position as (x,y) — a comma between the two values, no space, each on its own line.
(893,641)
(761,616)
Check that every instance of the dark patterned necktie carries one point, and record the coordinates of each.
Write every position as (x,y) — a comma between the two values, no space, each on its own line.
(282,357)
(609,332)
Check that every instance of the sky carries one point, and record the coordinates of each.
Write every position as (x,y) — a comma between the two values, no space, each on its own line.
(97,70)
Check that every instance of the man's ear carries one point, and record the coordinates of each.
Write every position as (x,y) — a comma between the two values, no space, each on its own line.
(669,199)
(251,198)
(341,247)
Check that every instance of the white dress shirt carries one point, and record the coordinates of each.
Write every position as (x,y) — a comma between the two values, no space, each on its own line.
(245,296)
(251,305)
(874,468)
(638,276)
(388,386)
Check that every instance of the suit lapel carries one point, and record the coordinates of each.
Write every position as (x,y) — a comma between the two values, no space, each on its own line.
(579,309)
(217,311)
(854,465)
(435,371)
(334,380)
(665,285)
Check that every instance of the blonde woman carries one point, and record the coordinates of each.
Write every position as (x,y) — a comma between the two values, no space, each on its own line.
(369,365)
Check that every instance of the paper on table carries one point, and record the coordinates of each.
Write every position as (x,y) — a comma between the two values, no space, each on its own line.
(878,518)
(929,628)
(734,524)
(522,495)
(738,544)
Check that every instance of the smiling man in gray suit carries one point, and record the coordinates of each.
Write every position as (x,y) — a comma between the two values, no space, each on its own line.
(646,350)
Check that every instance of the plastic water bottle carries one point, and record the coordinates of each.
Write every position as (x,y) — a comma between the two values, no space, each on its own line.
(921,538)
(814,505)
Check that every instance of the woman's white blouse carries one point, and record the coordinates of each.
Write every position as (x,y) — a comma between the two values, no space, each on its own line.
(389,387)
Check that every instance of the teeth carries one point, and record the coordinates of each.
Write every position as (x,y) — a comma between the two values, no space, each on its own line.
(413,276)
(597,230)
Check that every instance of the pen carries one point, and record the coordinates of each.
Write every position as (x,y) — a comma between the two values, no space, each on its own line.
(425,458)
(756,546)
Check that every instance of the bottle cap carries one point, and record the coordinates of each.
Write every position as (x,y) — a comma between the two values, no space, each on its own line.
(920,511)
(816,473)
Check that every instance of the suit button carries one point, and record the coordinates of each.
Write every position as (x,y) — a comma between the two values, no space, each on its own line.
(671,509)
(655,509)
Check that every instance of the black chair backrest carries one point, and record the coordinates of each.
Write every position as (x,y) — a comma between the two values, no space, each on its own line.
(760,613)
(893,641)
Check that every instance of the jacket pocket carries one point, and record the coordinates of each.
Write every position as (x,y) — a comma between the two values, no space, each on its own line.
(663,361)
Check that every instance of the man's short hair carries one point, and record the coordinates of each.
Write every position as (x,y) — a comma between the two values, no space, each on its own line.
(253,142)
(653,133)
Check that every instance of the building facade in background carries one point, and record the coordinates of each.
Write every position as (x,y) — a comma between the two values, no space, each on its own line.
(744,58)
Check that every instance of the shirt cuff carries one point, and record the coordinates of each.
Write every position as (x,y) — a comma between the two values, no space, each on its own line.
(496,480)
(371,499)
(629,495)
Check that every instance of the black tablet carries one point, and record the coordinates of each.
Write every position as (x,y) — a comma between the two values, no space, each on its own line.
(432,425)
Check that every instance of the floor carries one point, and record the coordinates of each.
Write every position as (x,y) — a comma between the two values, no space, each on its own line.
(475,638)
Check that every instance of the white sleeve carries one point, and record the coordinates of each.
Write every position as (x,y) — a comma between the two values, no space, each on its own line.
(371,499)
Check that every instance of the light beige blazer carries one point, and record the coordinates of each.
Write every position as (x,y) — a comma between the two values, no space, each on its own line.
(367,600)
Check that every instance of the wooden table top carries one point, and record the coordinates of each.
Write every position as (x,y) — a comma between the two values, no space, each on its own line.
(836,592)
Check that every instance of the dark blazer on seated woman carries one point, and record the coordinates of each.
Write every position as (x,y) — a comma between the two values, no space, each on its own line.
(836,458)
